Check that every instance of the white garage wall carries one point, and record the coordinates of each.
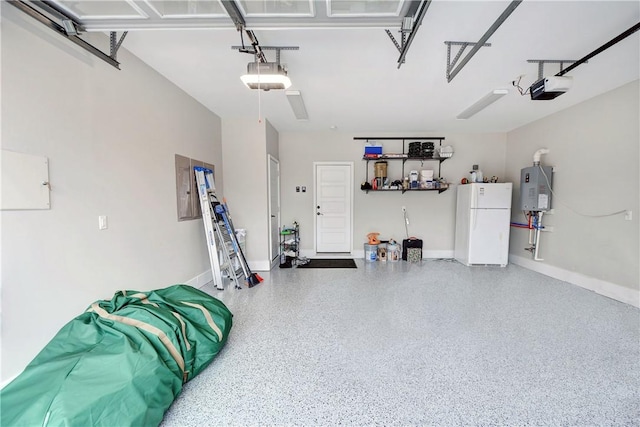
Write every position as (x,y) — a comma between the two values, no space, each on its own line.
(431,215)
(246,145)
(595,149)
(110,137)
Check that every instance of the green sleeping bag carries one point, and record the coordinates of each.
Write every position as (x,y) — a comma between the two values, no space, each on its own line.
(121,363)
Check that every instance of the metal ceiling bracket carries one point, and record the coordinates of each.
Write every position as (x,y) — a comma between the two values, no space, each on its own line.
(463,46)
(541,63)
(238,20)
(234,13)
(48,22)
(393,39)
(276,48)
(406,41)
(115,44)
(503,17)
(74,28)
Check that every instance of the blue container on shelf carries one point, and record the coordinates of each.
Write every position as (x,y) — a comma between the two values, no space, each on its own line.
(373,149)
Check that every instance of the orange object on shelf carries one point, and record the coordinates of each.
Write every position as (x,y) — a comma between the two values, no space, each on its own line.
(373,238)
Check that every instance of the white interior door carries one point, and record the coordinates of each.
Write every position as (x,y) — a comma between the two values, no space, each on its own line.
(274,208)
(333,206)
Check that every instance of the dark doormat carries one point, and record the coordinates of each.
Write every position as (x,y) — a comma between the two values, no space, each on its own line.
(329,263)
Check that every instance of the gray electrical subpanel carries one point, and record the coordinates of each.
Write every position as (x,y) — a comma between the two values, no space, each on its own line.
(535,194)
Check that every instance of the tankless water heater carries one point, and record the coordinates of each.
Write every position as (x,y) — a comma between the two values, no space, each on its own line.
(535,194)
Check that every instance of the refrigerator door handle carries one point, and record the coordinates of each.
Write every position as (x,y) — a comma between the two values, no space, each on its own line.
(474,196)
(474,215)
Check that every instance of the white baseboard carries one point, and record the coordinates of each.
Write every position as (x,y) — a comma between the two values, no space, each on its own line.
(200,280)
(259,265)
(602,287)
(310,253)
(437,254)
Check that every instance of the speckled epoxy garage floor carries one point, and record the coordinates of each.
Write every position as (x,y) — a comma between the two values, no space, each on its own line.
(435,343)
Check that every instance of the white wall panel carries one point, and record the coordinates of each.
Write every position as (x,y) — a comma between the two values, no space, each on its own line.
(110,137)
(595,148)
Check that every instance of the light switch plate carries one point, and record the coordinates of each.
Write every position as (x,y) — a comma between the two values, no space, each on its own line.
(102,222)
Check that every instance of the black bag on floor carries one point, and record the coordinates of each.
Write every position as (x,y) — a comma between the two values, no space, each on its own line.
(412,249)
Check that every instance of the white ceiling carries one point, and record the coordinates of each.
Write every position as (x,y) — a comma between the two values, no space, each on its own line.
(347,69)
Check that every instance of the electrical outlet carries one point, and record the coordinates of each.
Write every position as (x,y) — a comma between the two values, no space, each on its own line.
(628,215)
(102,222)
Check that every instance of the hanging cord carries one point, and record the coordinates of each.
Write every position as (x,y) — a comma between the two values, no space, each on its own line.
(570,208)
(259,57)
(259,97)
(406,222)
(523,92)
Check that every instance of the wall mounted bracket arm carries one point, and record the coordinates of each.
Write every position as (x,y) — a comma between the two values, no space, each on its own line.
(463,46)
(541,63)
(115,44)
(503,17)
(410,24)
(276,48)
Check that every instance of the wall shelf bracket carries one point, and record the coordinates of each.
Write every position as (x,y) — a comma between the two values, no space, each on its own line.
(243,49)
(410,24)
(480,43)
(115,44)
(541,63)
(463,46)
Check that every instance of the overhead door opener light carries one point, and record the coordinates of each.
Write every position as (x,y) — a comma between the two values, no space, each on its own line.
(266,76)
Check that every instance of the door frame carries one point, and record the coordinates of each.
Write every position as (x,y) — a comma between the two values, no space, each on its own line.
(315,201)
(273,258)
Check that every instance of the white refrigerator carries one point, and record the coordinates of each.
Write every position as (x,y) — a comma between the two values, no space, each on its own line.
(483,219)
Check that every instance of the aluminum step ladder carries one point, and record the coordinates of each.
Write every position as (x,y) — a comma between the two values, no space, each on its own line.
(224,251)
(223,211)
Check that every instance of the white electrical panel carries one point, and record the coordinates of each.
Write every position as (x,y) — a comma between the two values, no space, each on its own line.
(25,181)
